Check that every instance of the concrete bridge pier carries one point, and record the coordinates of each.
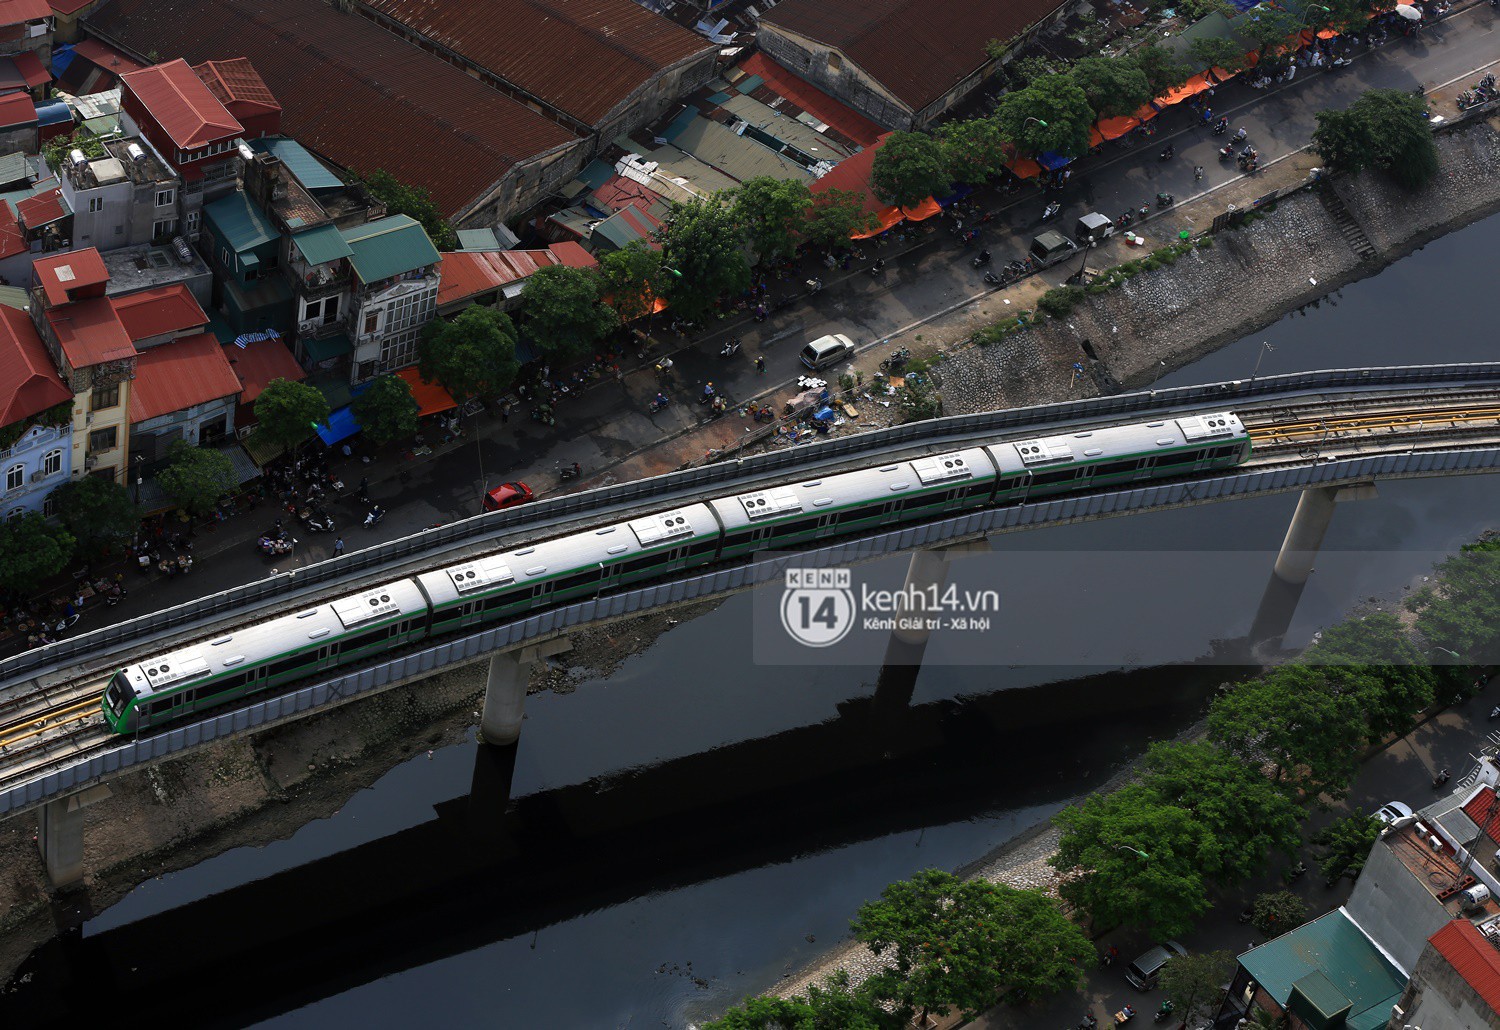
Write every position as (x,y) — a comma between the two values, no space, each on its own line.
(59,835)
(505,693)
(1294,563)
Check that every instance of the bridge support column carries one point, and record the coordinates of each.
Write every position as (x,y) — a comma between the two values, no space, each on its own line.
(927,572)
(1299,550)
(59,835)
(505,693)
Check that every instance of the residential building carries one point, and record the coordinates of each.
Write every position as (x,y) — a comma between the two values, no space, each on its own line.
(91,352)
(902,63)
(496,277)
(601,67)
(257,363)
(1456,984)
(244,250)
(185,390)
(393,293)
(26,42)
(36,430)
(235,84)
(127,198)
(66,15)
(362,98)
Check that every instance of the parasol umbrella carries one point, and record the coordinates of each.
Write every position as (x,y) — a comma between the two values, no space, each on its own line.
(1408,12)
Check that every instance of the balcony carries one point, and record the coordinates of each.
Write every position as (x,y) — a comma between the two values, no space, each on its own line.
(317,329)
(315,282)
(52,435)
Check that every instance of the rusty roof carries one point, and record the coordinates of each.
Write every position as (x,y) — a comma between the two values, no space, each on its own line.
(917,49)
(188,371)
(259,362)
(14,11)
(60,274)
(236,85)
(158,311)
(1473,956)
(90,332)
(350,90)
(580,56)
(182,105)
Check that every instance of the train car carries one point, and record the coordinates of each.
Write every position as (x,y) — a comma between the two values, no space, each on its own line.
(264,656)
(571,568)
(1117,456)
(854,502)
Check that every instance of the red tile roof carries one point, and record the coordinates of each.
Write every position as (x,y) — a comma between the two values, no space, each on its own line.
(1473,957)
(158,311)
(573,255)
(813,100)
(28,382)
(60,273)
(182,105)
(258,363)
(42,209)
(177,375)
(16,109)
(915,48)
(90,332)
(352,91)
(1484,809)
(237,86)
(106,56)
(30,67)
(13,12)
(584,57)
(12,236)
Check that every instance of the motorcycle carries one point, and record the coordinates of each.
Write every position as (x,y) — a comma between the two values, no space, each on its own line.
(373,518)
(981,259)
(1495,713)
(991,278)
(897,360)
(1166,155)
(730,349)
(1221,126)
(1050,211)
(1226,152)
(1441,778)
(814,285)
(1163,1012)
(659,402)
(570,471)
(317,521)
(543,414)
(1165,200)
(1241,135)
(708,394)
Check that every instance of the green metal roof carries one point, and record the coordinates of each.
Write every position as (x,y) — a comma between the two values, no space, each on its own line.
(14,169)
(15,297)
(310,172)
(1351,966)
(240,222)
(389,247)
(321,245)
(478,239)
(328,347)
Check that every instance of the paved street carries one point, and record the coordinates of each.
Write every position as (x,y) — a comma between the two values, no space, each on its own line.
(609,423)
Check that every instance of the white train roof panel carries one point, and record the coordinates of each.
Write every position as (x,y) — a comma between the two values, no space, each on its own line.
(942,468)
(655,529)
(765,504)
(479,575)
(163,672)
(1207,427)
(367,606)
(1044,452)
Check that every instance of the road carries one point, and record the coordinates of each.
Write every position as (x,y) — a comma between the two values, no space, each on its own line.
(604,425)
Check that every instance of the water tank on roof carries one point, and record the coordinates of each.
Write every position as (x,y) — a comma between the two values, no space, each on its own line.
(184,253)
(135,152)
(77,159)
(1476,896)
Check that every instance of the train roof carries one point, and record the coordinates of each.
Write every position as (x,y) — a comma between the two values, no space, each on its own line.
(1044,452)
(265,640)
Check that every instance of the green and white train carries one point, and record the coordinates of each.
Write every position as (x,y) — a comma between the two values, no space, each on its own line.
(513,583)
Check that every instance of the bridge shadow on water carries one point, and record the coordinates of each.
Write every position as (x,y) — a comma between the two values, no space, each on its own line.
(487,868)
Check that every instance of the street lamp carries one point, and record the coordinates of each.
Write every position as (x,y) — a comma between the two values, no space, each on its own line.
(1308,10)
(1127,847)
(1030,119)
(139,460)
(1455,654)
(1077,277)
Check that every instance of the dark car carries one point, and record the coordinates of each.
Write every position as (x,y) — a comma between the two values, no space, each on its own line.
(508,495)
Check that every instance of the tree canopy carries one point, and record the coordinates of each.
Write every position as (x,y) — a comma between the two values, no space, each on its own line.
(1343,845)
(196,477)
(973,150)
(1114,86)
(1195,982)
(415,202)
(1218,52)
(387,411)
(1276,912)
(909,167)
(1269,28)
(1051,114)
(473,354)
(1375,659)
(703,246)
(836,216)
(1461,611)
(289,412)
(1162,68)
(772,212)
(564,313)
(31,550)
(1385,129)
(98,512)
(632,279)
(832,1005)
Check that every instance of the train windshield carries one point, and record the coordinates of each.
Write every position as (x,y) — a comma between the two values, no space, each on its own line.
(118,694)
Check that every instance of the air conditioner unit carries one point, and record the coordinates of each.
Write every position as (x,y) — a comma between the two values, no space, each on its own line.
(90,461)
(88,418)
(243,432)
(38,476)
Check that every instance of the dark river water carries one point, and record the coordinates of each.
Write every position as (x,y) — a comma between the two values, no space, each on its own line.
(696,826)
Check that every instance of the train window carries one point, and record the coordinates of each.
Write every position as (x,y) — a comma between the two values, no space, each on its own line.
(703,547)
(794,528)
(638,565)
(978,489)
(1010,483)
(363,640)
(286,665)
(1114,468)
(736,540)
(1223,452)
(1146,463)
(579,580)
(1187,458)
(1047,478)
(918,502)
(500,601)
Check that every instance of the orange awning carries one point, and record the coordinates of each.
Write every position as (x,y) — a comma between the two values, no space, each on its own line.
(1146,113)
(1096,138)
(430,397)
(1326,34)
(923,211)
(1191,88)
(1024,168)
(1114,128)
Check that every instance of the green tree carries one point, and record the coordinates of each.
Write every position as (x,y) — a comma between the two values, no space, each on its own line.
(1195,983)
(967,944)
(702,242)
(1291,720)
(772,212)
(1276,912)
(1343,845)
(416,203)
(832,1005)
(1340,15)
(1162,68)
(196,477)
(1375,658)
(1461,610)
(918,399)
(473,354)
(563,311)
(289,412)
(1114,86)
(1247,815)
(386,411)
(1218,52)
(837,216)
(1052,113)
(1385,129)
(1269,28)
(97,511)
(31,551)
(1129,858)
(908,168)
(973,150)
(632,279)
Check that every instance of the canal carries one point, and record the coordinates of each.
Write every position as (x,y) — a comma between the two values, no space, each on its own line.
(566,924)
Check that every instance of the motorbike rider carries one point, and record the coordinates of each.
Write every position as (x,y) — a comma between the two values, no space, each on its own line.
(1167,153)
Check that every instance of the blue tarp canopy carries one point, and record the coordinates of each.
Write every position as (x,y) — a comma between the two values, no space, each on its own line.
(960,191)
(341,425)
(1052,161)
(62,56)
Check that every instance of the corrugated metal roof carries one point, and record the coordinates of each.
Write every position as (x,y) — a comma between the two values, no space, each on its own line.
(917,49)
(1484,809)
(240,222)
(59,273)
(235,84)
(584,57)
(844,119)
(1335,947)
(90,332)
(42,208)
(740,157)
(1473,957)
(298,160)
(158,311)
(182,105)
(258,362)
(13,12)
(28,382)
(352,91)
(388,247)
(322,245)
(177,375)
(104,55)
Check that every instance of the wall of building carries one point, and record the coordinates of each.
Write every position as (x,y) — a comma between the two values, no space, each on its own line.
(1438,998)
(386,326)
(850,83)
(44,457)
(526,185)
(87,422)
(655,98)
(20,140)
(1394,908)
(36,37)
(108,227)
(151,437)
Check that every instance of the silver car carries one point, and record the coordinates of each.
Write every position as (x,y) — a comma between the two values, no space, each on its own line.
(1393,811)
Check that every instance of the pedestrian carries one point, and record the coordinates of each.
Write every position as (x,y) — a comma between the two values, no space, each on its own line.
(338,547)
(504,412)
(760,364)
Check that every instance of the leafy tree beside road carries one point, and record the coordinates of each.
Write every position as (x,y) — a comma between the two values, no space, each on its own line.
(1114,86)
(473,354)
(1277,912)
(564,313)
(196,477)
(1051,114)
(97,511)
(836,216)
(909,167)
(1385,129)
(387,411)
(31,550)
(701,240)
(288,412)
(973,150)
(832,1005)
(772,212)
(1344,844)
(1195,983)
(632,279)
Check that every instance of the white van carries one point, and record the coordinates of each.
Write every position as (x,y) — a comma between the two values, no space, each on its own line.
(827,350)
